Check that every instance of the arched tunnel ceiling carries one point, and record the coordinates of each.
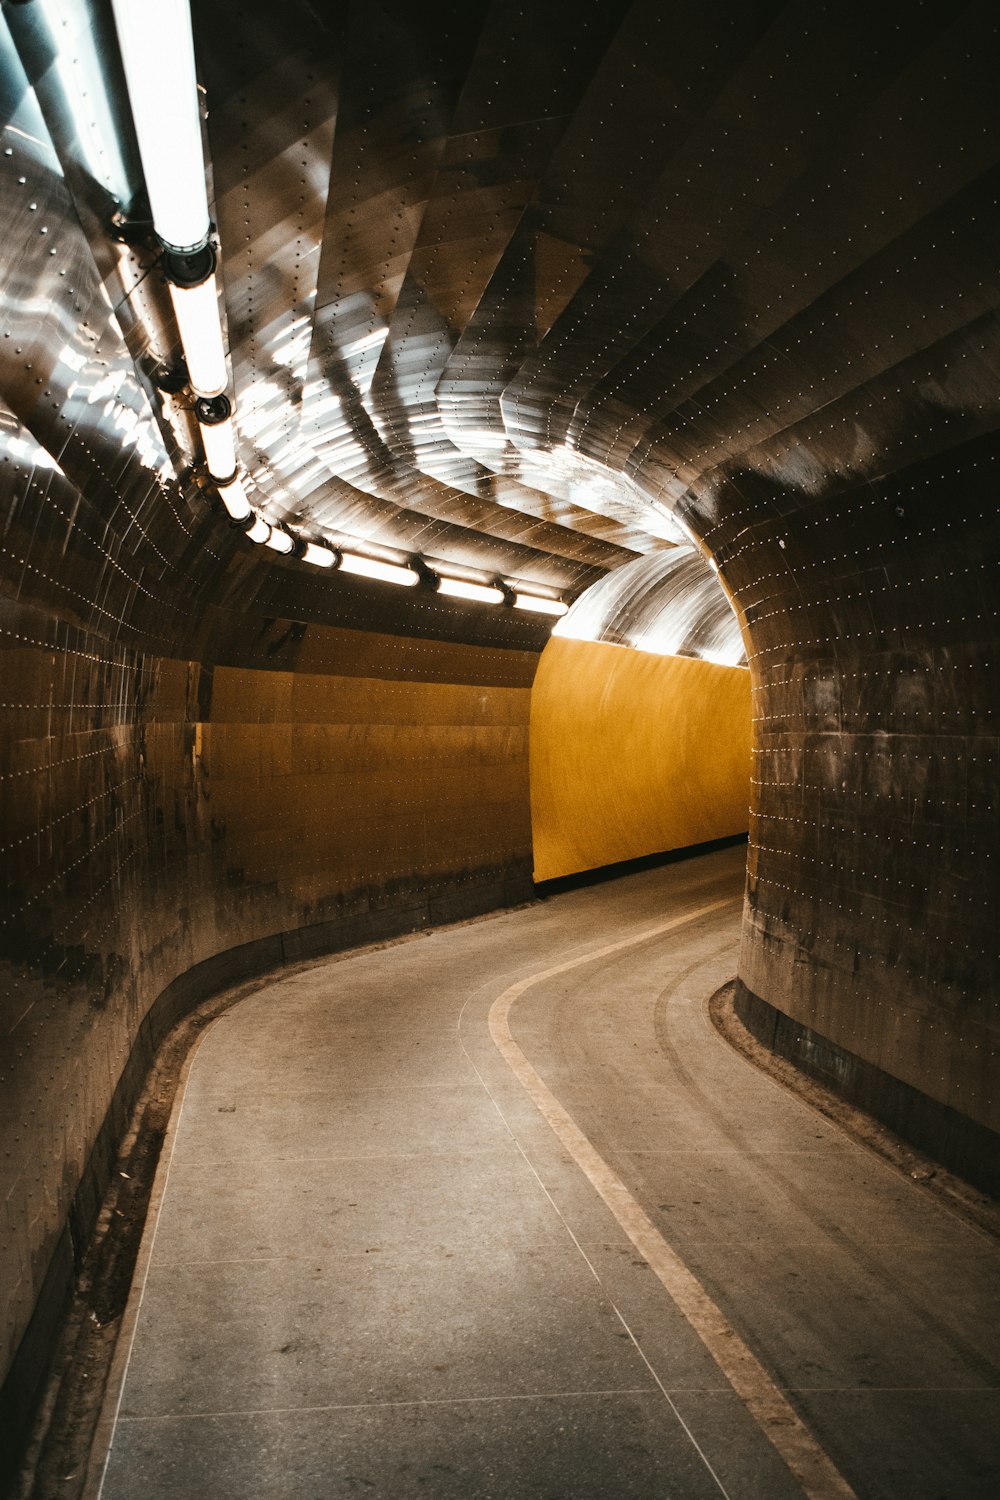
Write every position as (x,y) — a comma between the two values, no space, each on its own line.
(390,258)
(668,603)
(511,284)
(526,291)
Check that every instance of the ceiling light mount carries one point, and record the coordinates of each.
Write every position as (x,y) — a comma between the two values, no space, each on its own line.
(189,268)
(171,380)
(211,410)
(138,233)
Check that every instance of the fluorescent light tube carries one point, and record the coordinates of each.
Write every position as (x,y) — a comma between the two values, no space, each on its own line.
(196,309)
(540,606)
(370,567)
(234,498)
(259,531)
(320,557)
(219,441)
(458,588)
(280,540)
(158,56)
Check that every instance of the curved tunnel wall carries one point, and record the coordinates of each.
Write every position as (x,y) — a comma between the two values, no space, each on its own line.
(870,951)
(633,754)
(166,817)
(779,322)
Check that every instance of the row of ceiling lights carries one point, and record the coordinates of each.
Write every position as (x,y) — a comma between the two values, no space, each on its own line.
(163,93)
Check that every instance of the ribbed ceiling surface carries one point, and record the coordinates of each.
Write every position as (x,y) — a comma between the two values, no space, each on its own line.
(507,284)
(520,289)
(408,202)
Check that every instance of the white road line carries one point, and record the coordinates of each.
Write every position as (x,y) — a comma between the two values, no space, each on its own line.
(285,1411)
(777,1419)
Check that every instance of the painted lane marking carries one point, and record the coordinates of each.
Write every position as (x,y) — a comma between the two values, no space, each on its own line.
(777,1419)
(490,1400)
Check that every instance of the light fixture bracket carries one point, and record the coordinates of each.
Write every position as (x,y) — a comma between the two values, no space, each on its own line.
(171,381)
(211,410)
(137,233)
(188,269)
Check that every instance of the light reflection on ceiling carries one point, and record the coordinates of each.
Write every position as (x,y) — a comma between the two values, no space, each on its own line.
(669,603)
(401,243)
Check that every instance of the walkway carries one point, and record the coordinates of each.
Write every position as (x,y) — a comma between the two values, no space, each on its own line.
(374,1268)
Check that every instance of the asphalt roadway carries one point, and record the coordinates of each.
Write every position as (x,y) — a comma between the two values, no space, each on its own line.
(495,1213)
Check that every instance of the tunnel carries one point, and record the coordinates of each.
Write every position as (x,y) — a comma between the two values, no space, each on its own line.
(501,677)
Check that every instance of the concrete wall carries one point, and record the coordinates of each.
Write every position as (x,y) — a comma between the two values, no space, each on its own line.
(161,812)
(633,754)
(870,950)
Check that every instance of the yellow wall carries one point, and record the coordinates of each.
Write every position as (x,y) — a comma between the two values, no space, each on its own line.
(326,785)
(632,754)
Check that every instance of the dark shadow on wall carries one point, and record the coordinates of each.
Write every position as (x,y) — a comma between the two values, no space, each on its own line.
(545,888)
(962,1145)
